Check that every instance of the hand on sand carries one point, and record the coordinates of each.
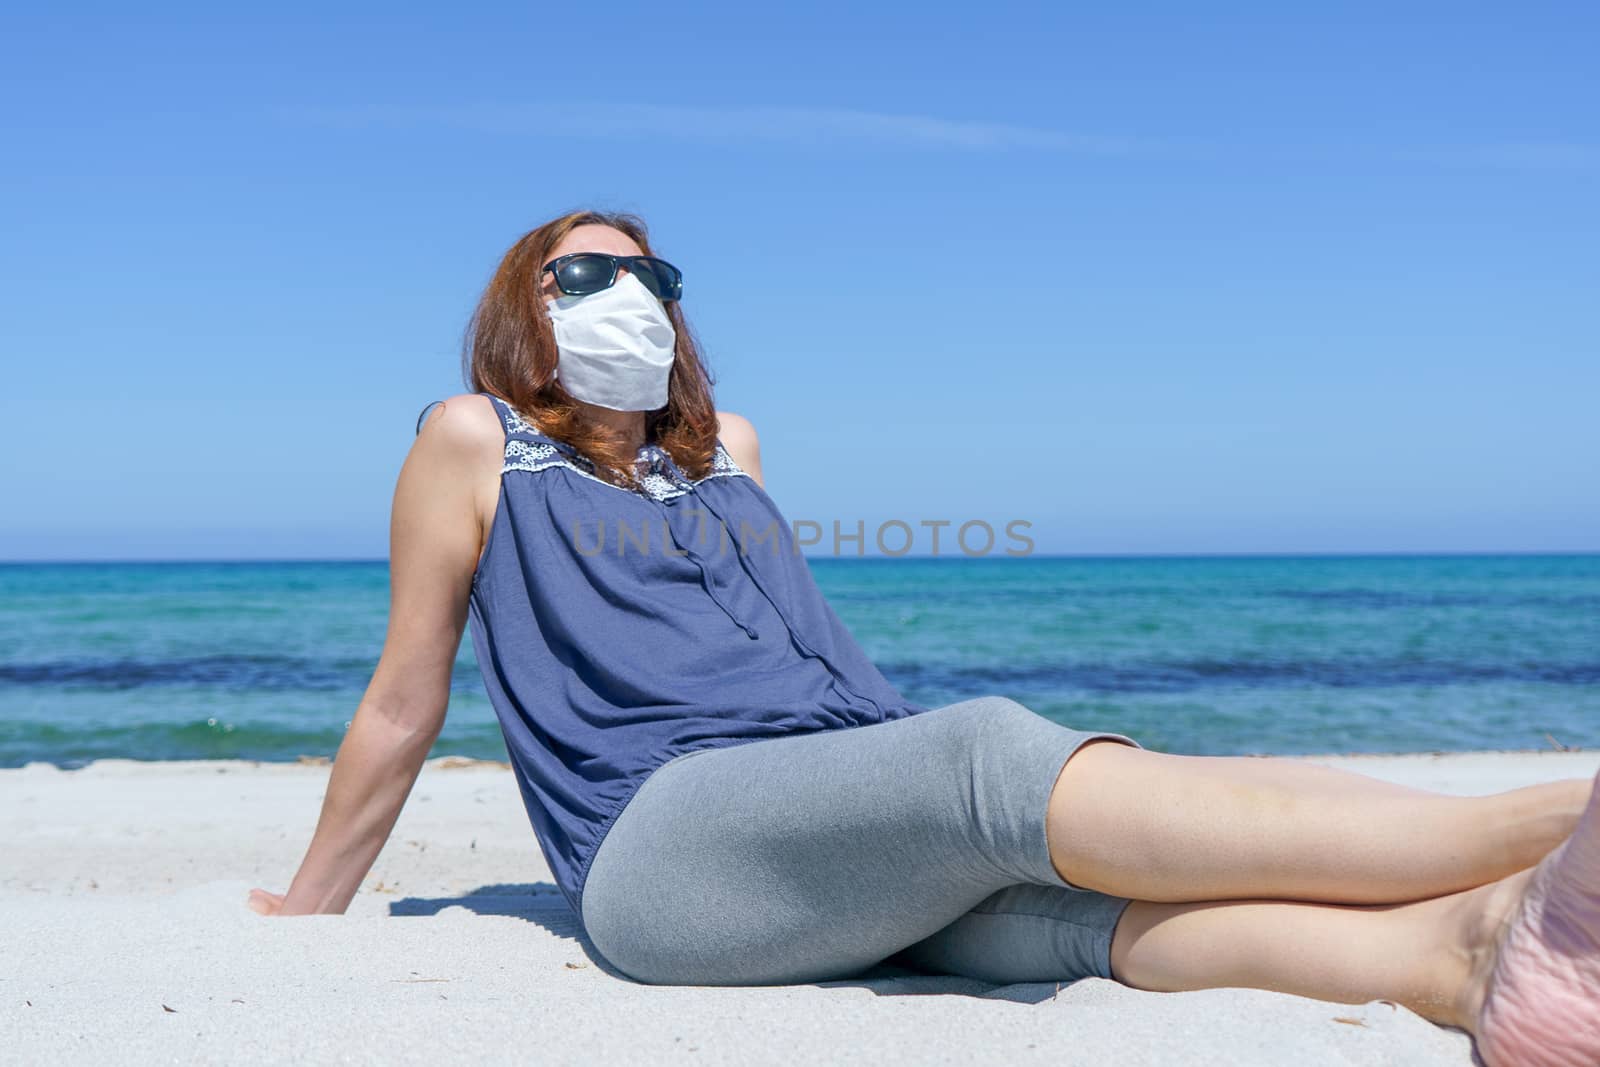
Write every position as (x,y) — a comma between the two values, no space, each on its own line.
(264,902)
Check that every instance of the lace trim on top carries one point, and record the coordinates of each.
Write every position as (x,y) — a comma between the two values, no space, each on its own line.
(659,482)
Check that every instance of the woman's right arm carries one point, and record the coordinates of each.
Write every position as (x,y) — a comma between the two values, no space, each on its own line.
(446,491)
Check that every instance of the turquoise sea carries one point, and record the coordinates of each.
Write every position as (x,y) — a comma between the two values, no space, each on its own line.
(1197,655)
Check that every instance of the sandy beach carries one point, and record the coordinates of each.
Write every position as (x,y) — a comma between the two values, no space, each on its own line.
(127,938)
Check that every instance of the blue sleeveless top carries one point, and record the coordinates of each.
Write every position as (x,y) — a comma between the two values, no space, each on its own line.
(616,629)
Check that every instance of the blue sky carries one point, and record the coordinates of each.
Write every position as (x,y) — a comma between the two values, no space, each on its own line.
(1152,278)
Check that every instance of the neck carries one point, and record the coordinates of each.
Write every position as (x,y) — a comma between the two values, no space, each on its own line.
(628,424)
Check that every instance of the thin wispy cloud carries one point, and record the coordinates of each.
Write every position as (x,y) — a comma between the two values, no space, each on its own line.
(811,126)
(781,125)
(1521,155)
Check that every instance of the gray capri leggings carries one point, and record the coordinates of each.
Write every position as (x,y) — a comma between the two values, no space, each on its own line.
(919,842)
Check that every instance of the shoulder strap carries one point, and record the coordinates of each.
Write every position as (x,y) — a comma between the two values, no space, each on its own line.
(517,427)
(421,418)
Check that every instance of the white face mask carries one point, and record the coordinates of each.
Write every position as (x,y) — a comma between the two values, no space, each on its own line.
(616,346)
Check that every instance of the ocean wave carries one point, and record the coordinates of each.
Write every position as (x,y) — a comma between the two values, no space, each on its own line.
(1180,676)
(255,672)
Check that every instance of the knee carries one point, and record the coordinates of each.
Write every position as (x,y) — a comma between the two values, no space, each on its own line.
(989,708)
(987,719)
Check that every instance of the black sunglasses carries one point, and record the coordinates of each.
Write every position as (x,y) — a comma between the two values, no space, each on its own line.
(582,273)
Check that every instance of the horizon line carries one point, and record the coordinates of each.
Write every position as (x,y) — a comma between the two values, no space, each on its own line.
(1398,554)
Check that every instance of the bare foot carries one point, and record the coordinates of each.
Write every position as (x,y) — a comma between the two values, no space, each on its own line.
(1541,994)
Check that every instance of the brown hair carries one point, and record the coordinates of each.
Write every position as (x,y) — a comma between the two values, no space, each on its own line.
(510,350)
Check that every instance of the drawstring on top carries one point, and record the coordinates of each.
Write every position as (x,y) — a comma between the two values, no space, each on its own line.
(705,575)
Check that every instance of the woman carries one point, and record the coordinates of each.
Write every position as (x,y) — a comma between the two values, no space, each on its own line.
(641,619)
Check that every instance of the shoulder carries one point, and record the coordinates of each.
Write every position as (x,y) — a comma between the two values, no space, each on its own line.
(461,436)
(731,428)
(464,423)
(739,437)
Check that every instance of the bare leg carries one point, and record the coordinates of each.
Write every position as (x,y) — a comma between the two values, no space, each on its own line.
(1420,954)
(1278,770)
(1154,826)
(1515,962)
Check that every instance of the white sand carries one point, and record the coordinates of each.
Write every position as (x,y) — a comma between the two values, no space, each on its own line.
(124,935)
